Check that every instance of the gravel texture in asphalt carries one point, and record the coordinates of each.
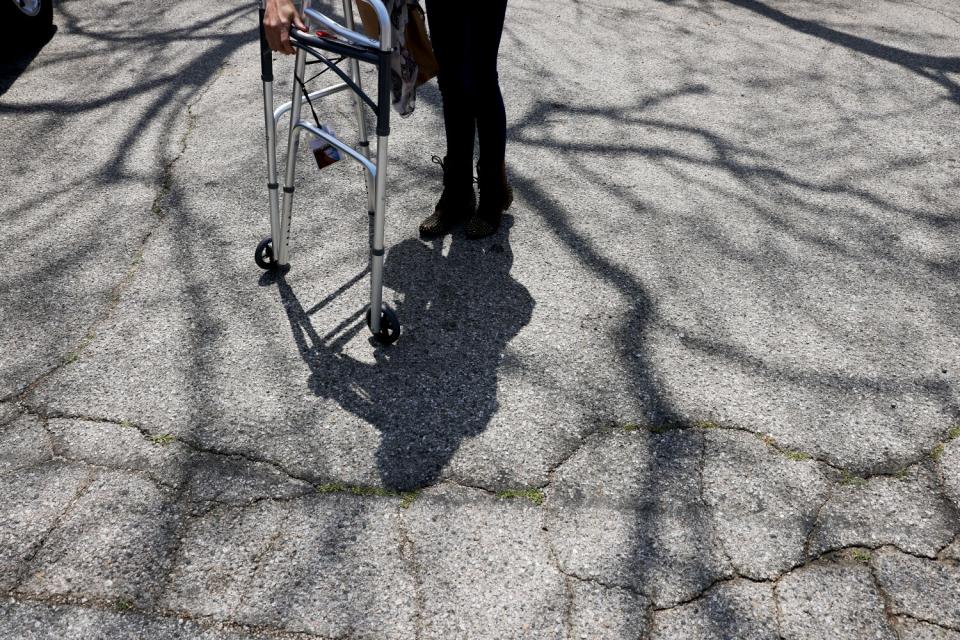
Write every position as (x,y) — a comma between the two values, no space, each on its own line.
(702,384)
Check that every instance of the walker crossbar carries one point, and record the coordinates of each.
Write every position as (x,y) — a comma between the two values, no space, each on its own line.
(314,95)
(339,144)
(343,40)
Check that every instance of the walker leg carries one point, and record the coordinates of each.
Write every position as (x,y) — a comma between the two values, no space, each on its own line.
(281,242)
(383,322)
(265,255)
(354,71)
(376,244)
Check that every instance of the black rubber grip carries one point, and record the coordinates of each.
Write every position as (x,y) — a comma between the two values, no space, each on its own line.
(273,185)
(266,56)
(288,189)
(376,252)
(384,94)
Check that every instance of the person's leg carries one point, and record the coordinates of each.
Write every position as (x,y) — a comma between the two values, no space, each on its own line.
(449,34)
(491,115)
(495,192)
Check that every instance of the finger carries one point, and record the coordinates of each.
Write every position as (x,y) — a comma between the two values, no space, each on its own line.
(285,42)
(272,32)
(298,21)
(272,40)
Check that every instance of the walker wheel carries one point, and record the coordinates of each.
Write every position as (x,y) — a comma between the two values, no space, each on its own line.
(389,326)
(264,254)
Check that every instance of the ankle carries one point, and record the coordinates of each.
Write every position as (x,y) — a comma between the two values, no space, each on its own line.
(495,190)
(457,196)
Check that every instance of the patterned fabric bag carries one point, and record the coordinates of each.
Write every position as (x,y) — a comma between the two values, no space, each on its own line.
(413,62)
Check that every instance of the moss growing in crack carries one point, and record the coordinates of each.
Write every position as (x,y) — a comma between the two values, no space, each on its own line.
(852,480)
(123,604)
(767,440)
(166,179)
(664,427)
(937,452)
(116,293)
(81,347)
(162,439)
(372,491)
(407,498)
(954,433)
(797,456)
(536,496)
(705,424)
(861,555)
(902,473)
(658,428)
(126,424)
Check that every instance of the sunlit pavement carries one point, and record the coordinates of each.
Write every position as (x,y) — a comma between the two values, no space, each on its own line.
(703,383)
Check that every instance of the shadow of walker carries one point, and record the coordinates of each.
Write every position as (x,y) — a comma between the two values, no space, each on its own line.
(438,384)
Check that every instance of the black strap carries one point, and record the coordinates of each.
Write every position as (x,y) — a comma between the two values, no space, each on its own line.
(337,70)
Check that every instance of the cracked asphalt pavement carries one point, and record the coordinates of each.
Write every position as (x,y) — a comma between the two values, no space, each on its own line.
(704,383)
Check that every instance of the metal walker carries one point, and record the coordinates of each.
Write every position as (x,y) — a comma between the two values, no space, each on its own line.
(343,40)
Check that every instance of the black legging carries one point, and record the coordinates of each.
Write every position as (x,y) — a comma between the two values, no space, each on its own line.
(466,40)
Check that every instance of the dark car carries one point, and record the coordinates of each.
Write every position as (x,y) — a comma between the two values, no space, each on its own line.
(24,23)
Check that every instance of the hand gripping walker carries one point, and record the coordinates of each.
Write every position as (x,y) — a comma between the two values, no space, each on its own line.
(343,40)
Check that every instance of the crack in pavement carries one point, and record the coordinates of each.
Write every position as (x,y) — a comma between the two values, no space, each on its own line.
(943,549)
(831,555)
(116,292)
(568,594)
(321,487)
(654,429)
(565,458)
(150,435)
(777,608)
(569,605)
(16,413)
(923,6)
(793,453)
(606,585)
(715,538)
(945,627)
(884,598)
(41,543)
(716,583)
(409,556)
(831,485)
(408,543)
(601,432)
(952,501)
(94,467)
(156,614)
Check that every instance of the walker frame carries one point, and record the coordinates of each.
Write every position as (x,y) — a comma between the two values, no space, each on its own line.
(342,39)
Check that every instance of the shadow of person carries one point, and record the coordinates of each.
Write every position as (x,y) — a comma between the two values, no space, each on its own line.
(438,384)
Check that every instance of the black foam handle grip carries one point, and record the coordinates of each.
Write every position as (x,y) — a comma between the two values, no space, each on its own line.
(266,56)
(384,93)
